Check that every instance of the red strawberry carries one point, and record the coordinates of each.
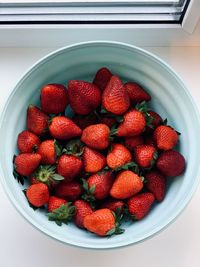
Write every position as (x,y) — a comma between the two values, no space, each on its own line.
(84,121)
(102,77)
(38,194)
(136,93)
(140,205)
(93,160)
(55,203)
(37,121)
(47,151)
(98,185)
(82,210)
(69,166)
(165,137)
(27,142)
(133,124)
(102,222)
(156,184)
(149,140)
(96,136)
(84,97)
(63,128)
(133,141)
(171,163)
(145,155)
(118,156)
(115,99)
(157,120)
(54,98)
(60,210)
(27,163)
(69,191)
(126,184)
(107,121)
(114,205)
(33,180)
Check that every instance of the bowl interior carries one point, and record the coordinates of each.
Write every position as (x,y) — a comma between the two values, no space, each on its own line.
(169,98)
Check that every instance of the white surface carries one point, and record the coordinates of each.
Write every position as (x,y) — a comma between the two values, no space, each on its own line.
(22,245)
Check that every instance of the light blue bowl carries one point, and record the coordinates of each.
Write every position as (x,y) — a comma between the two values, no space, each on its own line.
(170,98)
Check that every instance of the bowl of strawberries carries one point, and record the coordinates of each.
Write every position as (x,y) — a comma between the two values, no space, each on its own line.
(100,145)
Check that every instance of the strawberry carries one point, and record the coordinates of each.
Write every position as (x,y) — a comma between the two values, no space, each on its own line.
(118,156)
(53,98)
(38,194)
(133,124)
(171,163)
(126,184)
(149,140)
(165,137)
(115,98)
(102,222)
(47,150)
(82,210)
(133,141)
(140,205)
(60,210)
(107,121)
(55,203)
(114,205)
(136,93)
(33,180)
(156,184)
(37,121)
(63,128)
(84,97)
(27,163)
(157,120)
(69,166)
(69,191)
(93,160)
(98,185)
(84,121)
(145,155)
(102,77)
(27,142)
(96,136)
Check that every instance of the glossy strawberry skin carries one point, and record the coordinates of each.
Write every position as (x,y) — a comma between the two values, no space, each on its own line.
(68,191)
(133,124)
(53,98)
(113,204)
(165,137)
(157,120)
(55,203)
(69,166)
(107,121)
(84,97)
(139,205)
(133,141)
(115,99)
(27,142)
(48,152)
(96,136)
(145,155)
(37,121)
(118,156)
(38,194)
(102,78)
(171,163)
(27,163)
(82,210)
(136,93)
(63,128)
(93,160)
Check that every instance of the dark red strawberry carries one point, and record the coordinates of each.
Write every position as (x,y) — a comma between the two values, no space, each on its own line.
(37,121)
(27,142)
(69,191)
(133,141)
(27,163)
(136,93)
(114,205)
(82,210)
(157,120)
(115,98)
(102,77)
(84,97)
(140,205)
(54,98)
(63,128)
(156,184)
(171,163)
(145,155)
(85,121)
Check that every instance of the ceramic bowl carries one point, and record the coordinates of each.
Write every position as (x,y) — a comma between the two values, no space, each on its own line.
(169,97)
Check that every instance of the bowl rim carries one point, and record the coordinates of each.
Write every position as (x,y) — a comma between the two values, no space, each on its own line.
(43,60)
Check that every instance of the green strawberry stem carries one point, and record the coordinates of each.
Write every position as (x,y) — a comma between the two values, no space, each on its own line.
(46,174)
(89,193)
(116,230)
(63,214)
(74,147)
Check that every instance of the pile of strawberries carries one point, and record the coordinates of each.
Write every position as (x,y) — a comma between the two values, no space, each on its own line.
(110,160)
